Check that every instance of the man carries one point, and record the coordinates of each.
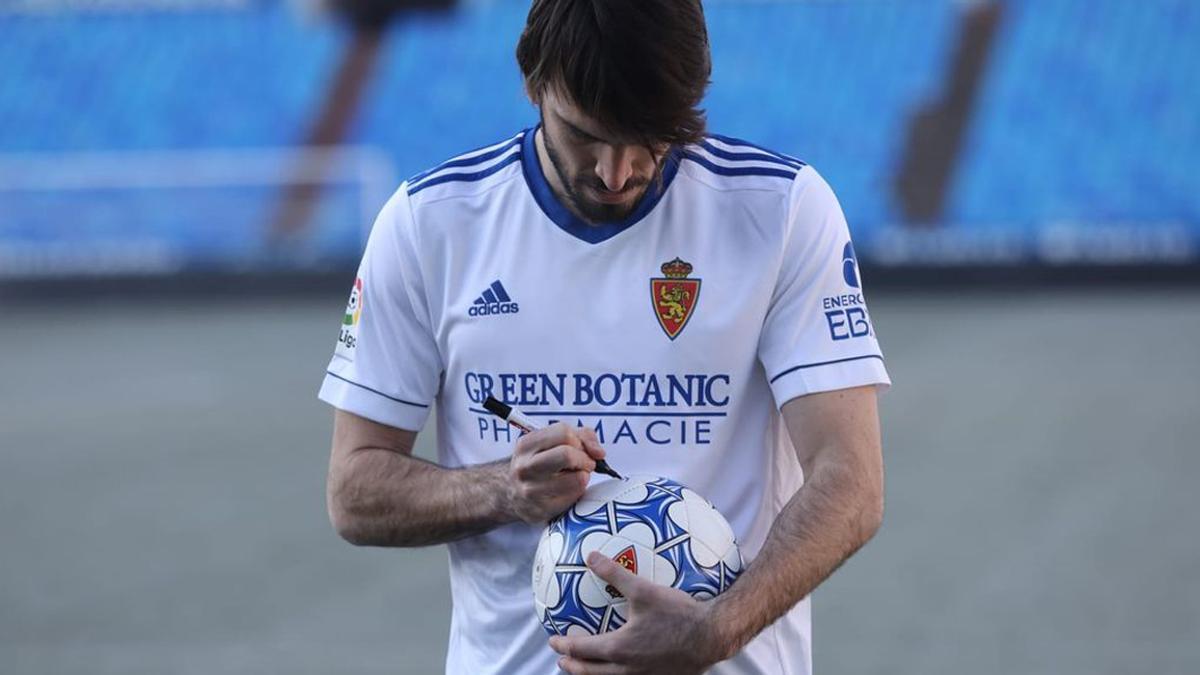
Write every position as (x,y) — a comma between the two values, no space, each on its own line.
(685,305)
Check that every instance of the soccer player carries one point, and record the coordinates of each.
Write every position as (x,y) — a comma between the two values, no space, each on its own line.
(683,304)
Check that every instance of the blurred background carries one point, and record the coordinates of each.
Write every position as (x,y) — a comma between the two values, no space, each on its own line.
(186,186)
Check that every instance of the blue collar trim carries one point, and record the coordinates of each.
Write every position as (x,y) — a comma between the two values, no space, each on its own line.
(568,221)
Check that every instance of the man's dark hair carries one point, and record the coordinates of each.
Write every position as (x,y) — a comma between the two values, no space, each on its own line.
(639,67)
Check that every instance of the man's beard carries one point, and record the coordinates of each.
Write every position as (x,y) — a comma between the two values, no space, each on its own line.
(592,211)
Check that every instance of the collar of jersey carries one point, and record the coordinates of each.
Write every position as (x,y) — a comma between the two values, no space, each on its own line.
(568,221)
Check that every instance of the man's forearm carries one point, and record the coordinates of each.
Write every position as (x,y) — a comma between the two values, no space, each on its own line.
(380,495)
(384,498)
(837,510)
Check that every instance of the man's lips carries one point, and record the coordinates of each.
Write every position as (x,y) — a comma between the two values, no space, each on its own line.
(609,197)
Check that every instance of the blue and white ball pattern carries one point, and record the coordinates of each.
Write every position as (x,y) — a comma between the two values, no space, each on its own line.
(655,527)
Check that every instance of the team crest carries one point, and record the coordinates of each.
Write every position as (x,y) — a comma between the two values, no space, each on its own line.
(674,296)
(627,559)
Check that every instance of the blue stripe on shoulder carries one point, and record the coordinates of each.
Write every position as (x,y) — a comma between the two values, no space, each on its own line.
(465,177)
(747,156)
(739,170)
(468,161)
(792,161)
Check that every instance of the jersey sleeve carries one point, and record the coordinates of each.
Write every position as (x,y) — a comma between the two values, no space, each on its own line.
(387,365)
(818,335)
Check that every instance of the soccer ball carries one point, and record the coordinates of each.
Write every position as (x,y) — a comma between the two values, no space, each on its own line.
(655,527)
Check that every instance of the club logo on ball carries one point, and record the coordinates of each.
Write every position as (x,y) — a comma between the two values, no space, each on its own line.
(627,559)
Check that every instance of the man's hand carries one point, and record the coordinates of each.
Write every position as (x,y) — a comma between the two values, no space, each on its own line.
(668,631)
(549,471)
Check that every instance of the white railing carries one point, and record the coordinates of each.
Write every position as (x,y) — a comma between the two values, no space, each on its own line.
(106,212)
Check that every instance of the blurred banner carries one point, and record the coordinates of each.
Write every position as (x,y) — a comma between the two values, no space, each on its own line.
(142,137)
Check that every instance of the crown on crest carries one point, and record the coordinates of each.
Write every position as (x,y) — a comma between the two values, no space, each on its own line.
(676,269)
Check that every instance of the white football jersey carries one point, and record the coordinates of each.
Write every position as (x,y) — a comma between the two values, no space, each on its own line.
(677,334)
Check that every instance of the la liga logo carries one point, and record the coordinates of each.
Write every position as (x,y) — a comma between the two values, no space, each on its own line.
(348,337)
(354,306)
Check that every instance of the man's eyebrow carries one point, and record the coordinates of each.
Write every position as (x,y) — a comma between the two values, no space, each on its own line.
(577,130)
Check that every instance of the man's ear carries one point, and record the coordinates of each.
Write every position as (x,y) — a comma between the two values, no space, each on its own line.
(533,96)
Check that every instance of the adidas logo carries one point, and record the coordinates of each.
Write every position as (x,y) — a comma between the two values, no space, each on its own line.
(494,300)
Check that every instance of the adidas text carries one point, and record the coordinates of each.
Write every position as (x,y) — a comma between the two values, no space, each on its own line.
(493,308)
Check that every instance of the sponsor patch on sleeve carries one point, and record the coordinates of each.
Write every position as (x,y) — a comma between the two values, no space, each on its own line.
(348,337)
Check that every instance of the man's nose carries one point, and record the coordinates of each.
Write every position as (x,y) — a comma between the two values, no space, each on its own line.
(615,166)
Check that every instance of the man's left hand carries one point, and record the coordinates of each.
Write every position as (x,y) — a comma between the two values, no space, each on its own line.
(668,631)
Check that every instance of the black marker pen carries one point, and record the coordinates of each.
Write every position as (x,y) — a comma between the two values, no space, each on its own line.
(520,421)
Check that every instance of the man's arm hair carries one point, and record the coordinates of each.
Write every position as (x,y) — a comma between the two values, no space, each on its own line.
(380,495)
(838,509)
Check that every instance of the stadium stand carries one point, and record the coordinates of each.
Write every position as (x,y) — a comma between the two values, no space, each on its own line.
(1087,110)
(1091,113)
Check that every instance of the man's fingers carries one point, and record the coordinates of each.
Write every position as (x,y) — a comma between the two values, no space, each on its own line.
(560,458)
(581,667)
(585,647)
(564,484)
(550,437)
(591,442)
(622,579)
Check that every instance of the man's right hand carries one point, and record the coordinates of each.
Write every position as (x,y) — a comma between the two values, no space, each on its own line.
(550,469)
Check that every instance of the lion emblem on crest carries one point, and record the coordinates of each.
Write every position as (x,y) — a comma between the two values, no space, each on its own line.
(674,296)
